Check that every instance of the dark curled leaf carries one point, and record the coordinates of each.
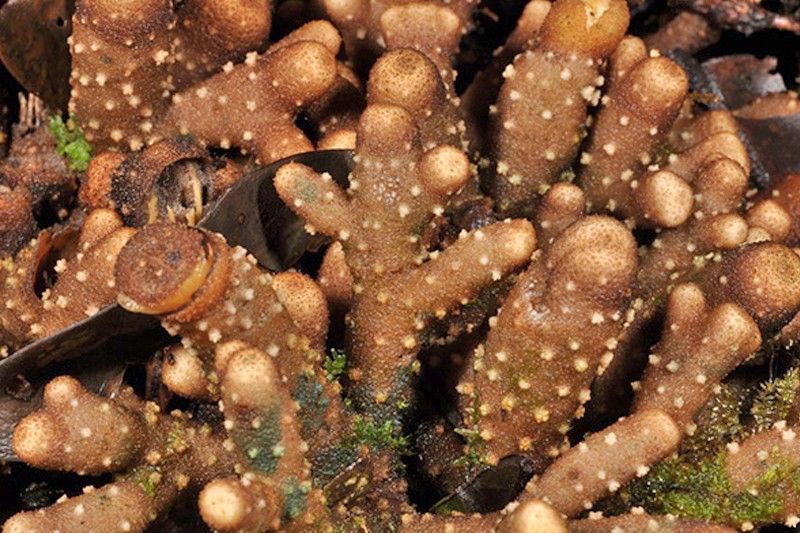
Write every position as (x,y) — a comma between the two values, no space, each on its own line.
(250,214)
(490,490)
(768,137)
(742,78)
(33,46)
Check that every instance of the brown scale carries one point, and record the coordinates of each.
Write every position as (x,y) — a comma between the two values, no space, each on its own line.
(209,294)
(398,288)
(17,225)
(129,57)
(34,178)
(155,456)
(33,163)
(687,31)
(532,375)
(82,262)
(537,122)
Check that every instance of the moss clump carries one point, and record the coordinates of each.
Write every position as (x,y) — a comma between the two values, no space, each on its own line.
(719,422)
(475,451)
(70,142)
(335,364)
(367,436)
(146,476)
(774,399)
(703,490)
(695,484)
(387,435)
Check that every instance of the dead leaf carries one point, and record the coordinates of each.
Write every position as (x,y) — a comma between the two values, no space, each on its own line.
(33,46)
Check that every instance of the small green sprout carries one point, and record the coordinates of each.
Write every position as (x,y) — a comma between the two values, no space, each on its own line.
(70,142)
(335,364)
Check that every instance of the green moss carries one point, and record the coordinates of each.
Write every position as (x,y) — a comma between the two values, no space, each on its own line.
(148,486)
(703,490)
(144,477)
(70,142)
(774,399)
(261,447)
(695,484)
(377,437)
(295,495)
(176,439)
(335,364)
(719,422)
(475,452)
(380,436)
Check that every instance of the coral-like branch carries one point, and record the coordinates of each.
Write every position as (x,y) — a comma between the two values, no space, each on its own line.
(156,456)
(698,349)
(640,107)
(531,516)
(263,429)
(768,458)
(128,58)
(534,372)
(645,522)
(260,97)
(394,188)
(542,106)
(482,92)
(605,461)
(209,293)
(433,27)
